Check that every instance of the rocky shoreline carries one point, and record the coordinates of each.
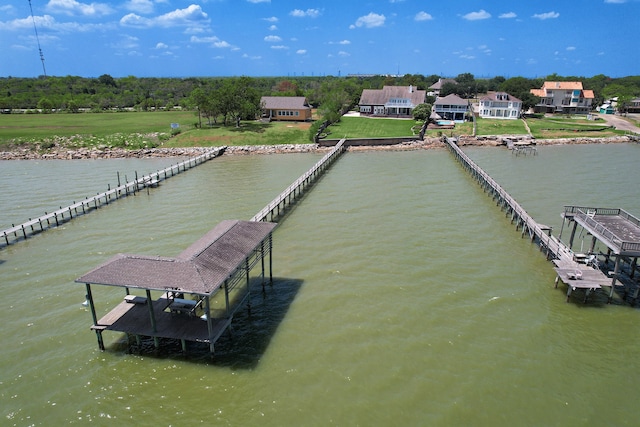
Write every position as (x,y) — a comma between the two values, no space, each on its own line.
(65,153)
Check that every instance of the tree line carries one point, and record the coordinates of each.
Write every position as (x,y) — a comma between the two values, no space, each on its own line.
(215,98)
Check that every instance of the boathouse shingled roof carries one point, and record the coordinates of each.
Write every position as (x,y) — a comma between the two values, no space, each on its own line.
(200,269)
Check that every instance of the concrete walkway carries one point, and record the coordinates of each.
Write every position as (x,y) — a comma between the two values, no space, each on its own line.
(619,123)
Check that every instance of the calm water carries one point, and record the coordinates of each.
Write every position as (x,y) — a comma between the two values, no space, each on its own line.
(403,297)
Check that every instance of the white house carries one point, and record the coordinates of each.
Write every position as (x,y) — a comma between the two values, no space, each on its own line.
(500,105)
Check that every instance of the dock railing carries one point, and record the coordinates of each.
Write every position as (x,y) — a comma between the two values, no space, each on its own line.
(294,190)
(587,214)
(64,214)
(553,246)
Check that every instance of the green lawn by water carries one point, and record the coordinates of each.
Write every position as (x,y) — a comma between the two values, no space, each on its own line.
(31,128)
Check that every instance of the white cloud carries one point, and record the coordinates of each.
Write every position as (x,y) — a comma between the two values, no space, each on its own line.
(273,28)
(309,13)
(50,23)
(212,40)
(476,16)
(73,7)
(615,1)
(423,16)
(508,15)
(272,39)
(371,20)
(140,6)
(301,51)
(343,53)
(571,48)
(547,15)
(343,42)
(161,45)
(259,1)
(280,47)
(271,19)
(191,16)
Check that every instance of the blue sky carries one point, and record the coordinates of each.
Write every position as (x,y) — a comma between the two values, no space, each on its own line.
(171,38)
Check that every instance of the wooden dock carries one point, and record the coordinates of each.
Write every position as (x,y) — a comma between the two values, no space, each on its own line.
(617,229)
(64,214)
(279,205)
(553,247)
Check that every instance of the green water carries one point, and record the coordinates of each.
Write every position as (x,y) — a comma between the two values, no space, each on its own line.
(403,296)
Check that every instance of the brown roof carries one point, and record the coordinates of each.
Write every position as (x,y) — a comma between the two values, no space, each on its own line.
(284,103)
(382,96)
(451,99)
(440,82)
(200,269)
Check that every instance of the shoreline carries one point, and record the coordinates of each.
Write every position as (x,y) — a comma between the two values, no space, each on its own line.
(64,153)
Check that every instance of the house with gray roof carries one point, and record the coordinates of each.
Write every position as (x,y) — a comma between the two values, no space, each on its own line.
(391,101)
(499,105)
(288,108)
(451,107)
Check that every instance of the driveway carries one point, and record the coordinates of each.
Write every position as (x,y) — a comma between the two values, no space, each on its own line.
(619,123)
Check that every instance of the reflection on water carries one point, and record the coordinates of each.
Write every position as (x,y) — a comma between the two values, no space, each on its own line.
(403,296)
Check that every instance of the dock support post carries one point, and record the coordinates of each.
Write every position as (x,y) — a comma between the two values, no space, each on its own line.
(151,312)
(573,234)
(94,316)
(615,277)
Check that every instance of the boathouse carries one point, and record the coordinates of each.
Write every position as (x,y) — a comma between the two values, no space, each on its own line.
(619,231)
(191,297)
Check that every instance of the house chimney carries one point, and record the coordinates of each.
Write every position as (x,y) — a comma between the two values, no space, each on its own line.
(410,88)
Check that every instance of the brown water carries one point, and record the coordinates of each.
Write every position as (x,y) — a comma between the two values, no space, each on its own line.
(403,297)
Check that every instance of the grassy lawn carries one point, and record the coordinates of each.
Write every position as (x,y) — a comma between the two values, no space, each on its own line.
(500,127)
(365,127)
(132,129)
(563,127)
(32,126)
(249,133)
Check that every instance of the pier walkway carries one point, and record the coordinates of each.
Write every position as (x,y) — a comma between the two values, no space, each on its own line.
(198,292)
(64,214)
(278,206)
(571,270)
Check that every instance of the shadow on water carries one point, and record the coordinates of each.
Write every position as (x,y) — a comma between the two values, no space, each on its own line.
(242,345)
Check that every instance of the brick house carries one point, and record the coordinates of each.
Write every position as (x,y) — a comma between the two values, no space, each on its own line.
(286,108)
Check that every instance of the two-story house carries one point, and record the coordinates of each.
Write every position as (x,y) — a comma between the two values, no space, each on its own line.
(563,97)
(499,105)
(396,101)
(451,107)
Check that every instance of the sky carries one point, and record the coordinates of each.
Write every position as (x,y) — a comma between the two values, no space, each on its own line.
(200,38)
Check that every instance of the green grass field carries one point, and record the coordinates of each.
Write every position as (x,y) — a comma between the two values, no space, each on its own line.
(131,129)
(366,127)
(29,126)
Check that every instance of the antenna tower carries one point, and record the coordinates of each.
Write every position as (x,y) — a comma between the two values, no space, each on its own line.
(37,39)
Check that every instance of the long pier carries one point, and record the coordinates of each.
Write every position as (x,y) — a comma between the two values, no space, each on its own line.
(553,247)
(64,214)
(278,205)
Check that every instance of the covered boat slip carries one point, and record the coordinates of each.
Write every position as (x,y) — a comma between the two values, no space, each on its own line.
(188,303)
(619,231)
